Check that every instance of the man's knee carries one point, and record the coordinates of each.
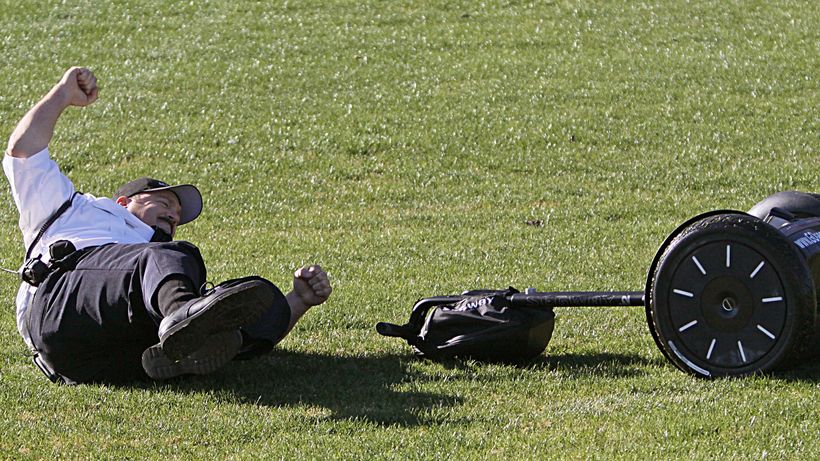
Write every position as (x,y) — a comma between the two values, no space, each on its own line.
(159,261)
(181,247)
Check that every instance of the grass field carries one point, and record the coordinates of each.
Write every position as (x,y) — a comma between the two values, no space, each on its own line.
(408,147)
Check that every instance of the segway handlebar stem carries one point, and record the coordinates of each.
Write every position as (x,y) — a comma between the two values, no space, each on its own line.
(577,298)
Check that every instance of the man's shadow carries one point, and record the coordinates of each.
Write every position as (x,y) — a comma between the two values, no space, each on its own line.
(380,388)
(372,388)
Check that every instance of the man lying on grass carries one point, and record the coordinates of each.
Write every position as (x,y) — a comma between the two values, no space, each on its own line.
(108,295)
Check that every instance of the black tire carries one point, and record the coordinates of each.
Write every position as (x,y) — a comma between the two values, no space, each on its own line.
(730,296)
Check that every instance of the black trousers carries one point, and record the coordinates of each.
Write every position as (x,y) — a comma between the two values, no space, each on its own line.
(92,322)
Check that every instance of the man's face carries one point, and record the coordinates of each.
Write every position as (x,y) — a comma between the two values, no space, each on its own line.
(160,208)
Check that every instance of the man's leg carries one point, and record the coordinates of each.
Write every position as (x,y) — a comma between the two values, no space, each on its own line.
(203,334)
(250,341)
(94,322)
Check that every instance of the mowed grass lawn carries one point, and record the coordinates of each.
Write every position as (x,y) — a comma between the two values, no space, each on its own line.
(416,149)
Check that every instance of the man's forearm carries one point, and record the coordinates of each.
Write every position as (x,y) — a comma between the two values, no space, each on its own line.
(297,308)
(35,130)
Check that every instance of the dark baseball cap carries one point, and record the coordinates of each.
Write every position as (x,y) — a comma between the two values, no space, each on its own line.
(189,197)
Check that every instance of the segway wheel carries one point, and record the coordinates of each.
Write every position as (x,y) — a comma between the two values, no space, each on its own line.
(730,296)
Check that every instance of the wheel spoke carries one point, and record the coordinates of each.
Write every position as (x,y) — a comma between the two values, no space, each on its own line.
(688,326)
(757,269)
(700,266)
(742,353)
(711,349)
(683,293)
(766,332)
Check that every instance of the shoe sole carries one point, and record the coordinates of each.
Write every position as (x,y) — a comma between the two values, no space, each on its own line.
(217,351)
(228,311)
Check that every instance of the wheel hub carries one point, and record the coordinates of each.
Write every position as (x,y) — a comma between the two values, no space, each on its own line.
(727,304)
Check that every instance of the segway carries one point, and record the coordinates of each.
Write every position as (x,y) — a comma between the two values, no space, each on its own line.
(728,293)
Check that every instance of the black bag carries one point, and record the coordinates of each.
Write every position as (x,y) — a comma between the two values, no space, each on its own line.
(481,325)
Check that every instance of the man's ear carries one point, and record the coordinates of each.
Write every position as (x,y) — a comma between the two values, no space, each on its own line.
(123,200)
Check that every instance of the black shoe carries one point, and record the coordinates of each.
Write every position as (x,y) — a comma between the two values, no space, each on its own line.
(228,306)
(218,350)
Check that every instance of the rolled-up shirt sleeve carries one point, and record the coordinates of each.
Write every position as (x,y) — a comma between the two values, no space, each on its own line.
(38,188)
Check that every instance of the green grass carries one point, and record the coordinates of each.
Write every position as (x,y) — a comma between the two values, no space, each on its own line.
(404,146)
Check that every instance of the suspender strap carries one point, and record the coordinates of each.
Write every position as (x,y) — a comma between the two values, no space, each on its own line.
(48,224)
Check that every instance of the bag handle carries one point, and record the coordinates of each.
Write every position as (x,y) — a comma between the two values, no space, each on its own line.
(412,328)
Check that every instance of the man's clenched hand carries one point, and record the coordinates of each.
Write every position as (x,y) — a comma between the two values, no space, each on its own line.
(311,285)
(78,86)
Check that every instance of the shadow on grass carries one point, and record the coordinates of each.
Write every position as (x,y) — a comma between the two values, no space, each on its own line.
(361,388)
(603,365)
(371,388)
(617,366)
(620,366)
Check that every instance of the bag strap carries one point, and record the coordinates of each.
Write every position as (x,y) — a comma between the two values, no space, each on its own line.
(411,329)
(423,306)
(65,206)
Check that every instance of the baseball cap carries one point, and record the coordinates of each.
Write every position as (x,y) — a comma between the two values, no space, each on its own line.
(190,200)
